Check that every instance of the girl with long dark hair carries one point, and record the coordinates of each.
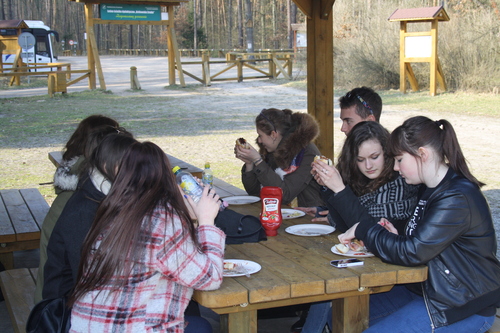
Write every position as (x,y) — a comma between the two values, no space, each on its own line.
(363,184)
(451,232)
(85,139)
(144,254)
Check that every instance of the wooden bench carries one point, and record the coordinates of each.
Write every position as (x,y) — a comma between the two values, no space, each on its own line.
(21,216)
(18,288)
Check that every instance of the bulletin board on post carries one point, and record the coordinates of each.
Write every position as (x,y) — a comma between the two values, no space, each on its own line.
(420,46)
(128,12)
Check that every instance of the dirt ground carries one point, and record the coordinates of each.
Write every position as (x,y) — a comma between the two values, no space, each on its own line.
(241,101)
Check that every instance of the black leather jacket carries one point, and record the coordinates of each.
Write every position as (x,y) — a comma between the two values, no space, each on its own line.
(455,238)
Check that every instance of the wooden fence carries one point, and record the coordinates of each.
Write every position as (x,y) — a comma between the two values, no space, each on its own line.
(220,53)
(57,80)
(277,63)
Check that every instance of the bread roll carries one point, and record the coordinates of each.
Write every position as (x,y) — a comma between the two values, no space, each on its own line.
(342,248)
(323,159)
(356,246)
(229,265)
(242,143)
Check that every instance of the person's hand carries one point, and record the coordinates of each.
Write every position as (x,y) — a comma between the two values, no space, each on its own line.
(312,211)
(247,155)
(327,175)
(388,225)
(207,208)
(349,235)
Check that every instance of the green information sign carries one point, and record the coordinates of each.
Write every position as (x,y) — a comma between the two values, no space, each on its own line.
(130,12)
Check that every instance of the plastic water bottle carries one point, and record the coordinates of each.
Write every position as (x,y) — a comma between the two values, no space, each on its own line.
(191,187)
(207,176)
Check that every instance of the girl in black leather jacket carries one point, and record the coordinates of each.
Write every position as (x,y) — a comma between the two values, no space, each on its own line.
(451,232)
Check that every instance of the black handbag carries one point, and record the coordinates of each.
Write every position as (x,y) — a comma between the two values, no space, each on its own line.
(240,228)
(50,315)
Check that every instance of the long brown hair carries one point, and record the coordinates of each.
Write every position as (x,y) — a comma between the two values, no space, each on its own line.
(421,131)
(347,166)
(99,152)
(144,181)
(76,143)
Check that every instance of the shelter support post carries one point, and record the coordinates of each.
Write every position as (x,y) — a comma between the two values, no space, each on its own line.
(320,69)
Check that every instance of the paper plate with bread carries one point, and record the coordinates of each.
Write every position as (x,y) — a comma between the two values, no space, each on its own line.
(353,249)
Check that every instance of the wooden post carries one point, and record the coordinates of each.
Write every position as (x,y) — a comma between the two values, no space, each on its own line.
(239,59)
(173,49)
(433,62)
(289,62)
(402,63)
(205,65)
(89,16)
(320,73)
(134,81)
(272,66)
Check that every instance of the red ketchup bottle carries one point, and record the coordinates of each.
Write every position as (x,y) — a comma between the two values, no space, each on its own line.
(270,215)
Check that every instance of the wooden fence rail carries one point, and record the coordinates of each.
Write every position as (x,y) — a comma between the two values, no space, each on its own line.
(57,81)
(220,53)
(277,64)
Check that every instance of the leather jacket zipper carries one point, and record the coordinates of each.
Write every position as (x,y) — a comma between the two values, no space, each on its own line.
(427,308)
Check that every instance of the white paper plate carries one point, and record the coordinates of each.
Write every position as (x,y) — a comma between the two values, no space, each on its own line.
(351,253)
(241,268)
(310,229)
(291,213)
(241,200)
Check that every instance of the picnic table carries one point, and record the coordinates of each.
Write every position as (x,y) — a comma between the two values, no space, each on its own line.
(297,270)
(21,216)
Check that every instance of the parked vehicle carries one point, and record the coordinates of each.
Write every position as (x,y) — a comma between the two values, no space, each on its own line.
(43,50)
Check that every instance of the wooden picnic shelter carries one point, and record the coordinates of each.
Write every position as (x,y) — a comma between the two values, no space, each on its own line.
(319,26)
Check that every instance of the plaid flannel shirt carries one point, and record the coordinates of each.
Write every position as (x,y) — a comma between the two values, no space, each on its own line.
(161,284)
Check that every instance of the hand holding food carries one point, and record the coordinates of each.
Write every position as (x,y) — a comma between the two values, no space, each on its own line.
(241,142)
(357,246)
(349,235)
(323,159)
(327,175)
(245,152)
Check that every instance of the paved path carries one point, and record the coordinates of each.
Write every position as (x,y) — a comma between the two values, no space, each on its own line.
(152,73)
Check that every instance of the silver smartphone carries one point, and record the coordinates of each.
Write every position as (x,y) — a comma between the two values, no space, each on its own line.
(346,262)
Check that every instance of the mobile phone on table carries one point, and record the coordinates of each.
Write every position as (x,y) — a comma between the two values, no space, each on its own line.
(346,262)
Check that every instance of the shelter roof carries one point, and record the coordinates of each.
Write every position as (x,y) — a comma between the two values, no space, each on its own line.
(13,24)
(135,2)
(420,14)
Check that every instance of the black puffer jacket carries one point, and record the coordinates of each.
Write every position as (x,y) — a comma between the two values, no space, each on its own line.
(455,238)
(64,248)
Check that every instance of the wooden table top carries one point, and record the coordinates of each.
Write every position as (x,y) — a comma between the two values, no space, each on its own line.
(21,214)
(296,269)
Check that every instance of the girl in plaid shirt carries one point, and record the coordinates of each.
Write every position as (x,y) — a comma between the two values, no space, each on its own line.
(144,255)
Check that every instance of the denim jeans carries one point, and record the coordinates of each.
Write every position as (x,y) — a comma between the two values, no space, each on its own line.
(197,324)
(398,310)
